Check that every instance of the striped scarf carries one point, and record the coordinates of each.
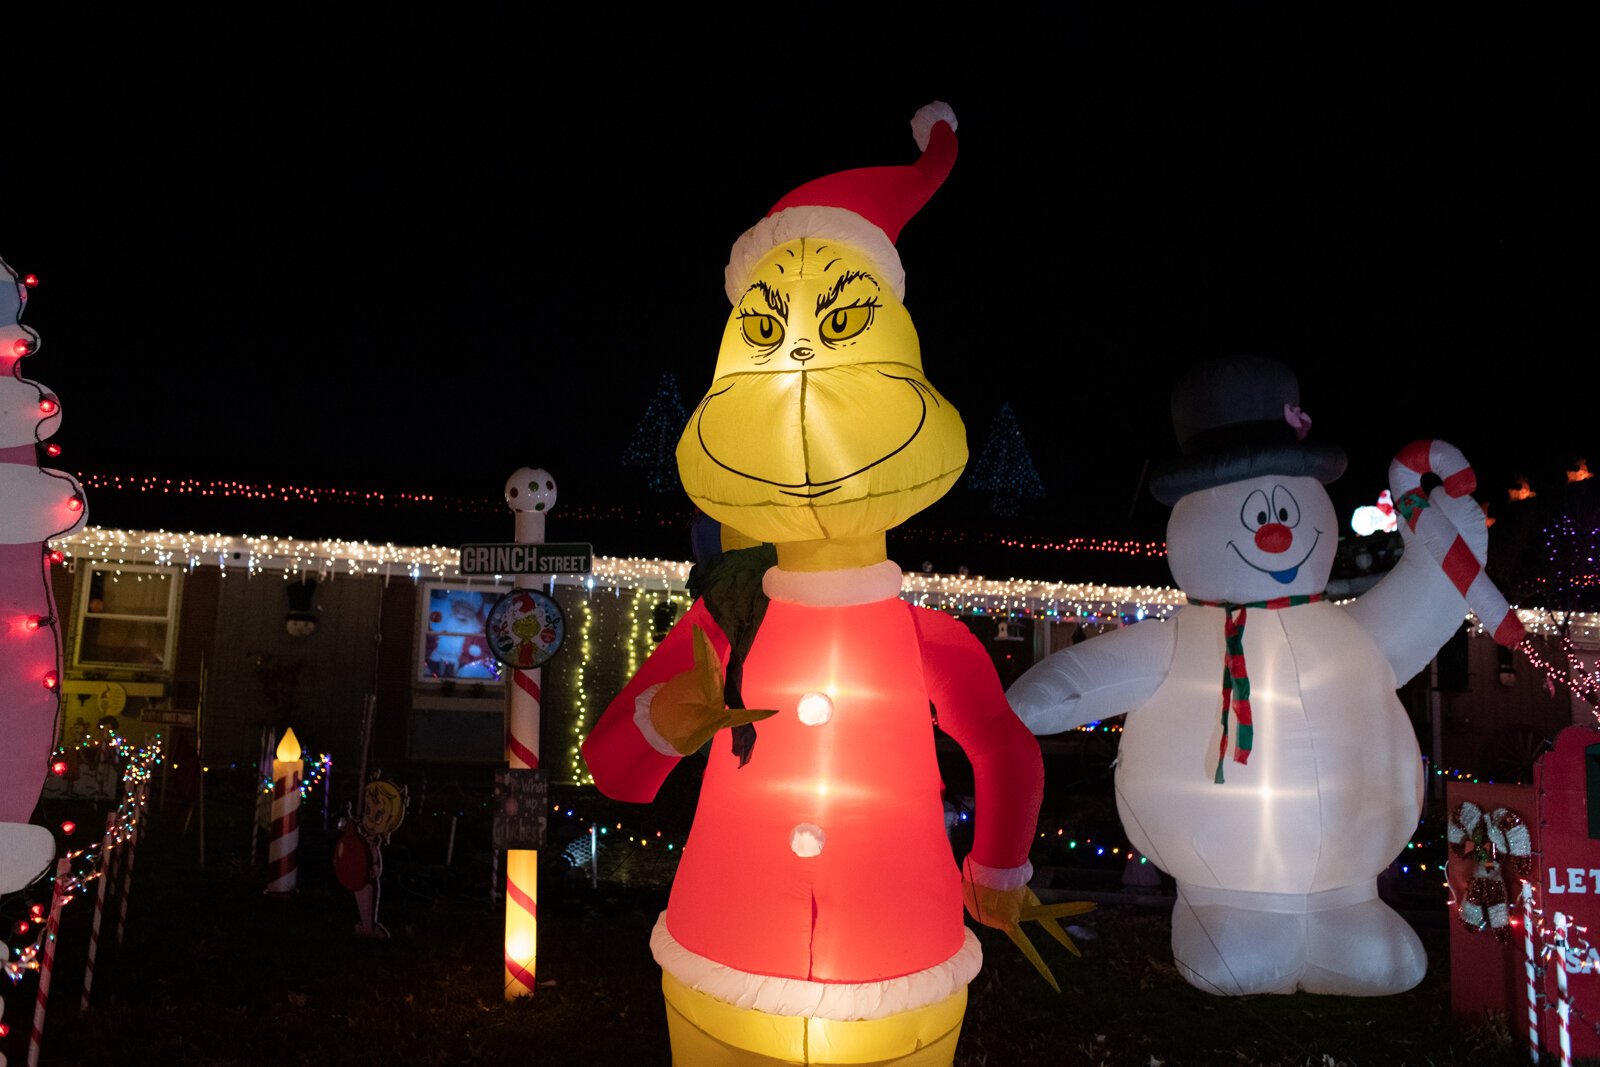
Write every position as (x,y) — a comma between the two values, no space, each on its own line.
(1236,676)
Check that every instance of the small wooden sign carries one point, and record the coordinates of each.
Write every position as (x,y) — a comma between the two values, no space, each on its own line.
(168,716)
(521,808)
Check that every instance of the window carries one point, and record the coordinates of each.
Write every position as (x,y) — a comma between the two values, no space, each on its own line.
(126,617)
(453,645)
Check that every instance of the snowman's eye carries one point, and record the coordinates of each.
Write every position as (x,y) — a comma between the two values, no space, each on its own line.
(1285,507)
(1257,511)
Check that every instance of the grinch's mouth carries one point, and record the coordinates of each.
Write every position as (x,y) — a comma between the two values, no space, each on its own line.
(1287,575)
(812,486)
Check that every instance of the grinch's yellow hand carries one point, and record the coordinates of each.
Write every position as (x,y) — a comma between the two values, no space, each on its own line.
(687,710)
(1008,909)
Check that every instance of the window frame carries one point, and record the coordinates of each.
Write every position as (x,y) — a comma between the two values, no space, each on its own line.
(82,615)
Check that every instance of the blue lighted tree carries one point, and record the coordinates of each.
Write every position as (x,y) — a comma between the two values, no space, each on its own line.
(1004,468)
(655,440)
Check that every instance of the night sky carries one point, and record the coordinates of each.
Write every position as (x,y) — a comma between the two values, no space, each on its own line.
(415,260)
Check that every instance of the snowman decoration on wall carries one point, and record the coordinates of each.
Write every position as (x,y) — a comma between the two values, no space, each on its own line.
(1266,762)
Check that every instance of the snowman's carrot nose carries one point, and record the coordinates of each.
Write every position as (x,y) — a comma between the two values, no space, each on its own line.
(1274,537)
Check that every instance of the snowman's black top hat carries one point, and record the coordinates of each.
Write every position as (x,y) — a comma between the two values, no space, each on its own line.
(1239,418)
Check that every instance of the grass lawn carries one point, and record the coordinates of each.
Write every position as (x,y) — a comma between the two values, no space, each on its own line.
(214,972)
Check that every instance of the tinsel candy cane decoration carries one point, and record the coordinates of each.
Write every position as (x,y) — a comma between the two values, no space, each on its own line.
(1494,842)
(1442,537)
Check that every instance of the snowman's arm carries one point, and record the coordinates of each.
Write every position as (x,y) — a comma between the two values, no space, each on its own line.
(625,763)
(1111,674)
(1415,608)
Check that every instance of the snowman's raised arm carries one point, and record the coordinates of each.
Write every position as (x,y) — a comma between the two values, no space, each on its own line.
(1108,675)
(1415,608)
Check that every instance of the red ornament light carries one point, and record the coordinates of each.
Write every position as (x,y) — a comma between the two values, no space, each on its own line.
(52,449)
(68,827)
(75,503)
(37,911)
(22,926)
(5,1029)
(30,280)
(48,406)
(58,768)
(55,555)
(19,348)
(32,622)
(51,679)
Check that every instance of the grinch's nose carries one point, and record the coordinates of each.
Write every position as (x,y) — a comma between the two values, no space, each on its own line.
(801,353)
(1274,537)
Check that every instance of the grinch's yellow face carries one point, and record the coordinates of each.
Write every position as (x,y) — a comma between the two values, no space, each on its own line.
(820,423)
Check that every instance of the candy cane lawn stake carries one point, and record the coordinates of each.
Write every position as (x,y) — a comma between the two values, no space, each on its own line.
(57,898)
(1441,537)
(1563,999)
(99,908)
(1531,971)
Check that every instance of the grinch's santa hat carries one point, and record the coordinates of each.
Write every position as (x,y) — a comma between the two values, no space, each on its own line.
(864,208)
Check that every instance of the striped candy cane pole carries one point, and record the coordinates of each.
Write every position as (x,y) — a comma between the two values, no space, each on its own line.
(46,965)
(1441,536)
(1563,999)
(128,846)
(530,494)
(106,845)
(1530,970)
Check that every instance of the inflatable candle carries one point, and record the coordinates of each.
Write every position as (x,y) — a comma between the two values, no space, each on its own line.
(1266,763)
(816,916)
(35,505)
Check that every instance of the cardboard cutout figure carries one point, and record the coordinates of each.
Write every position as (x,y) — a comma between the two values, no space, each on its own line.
(36,504)
(1266,762)
(816,916)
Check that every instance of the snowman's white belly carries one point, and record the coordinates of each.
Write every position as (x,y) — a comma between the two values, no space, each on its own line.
(1332,789)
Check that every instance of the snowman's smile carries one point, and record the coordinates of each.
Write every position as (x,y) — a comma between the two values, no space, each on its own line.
(1286,575)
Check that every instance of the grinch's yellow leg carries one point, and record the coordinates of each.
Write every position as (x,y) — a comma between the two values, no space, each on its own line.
(707,1032)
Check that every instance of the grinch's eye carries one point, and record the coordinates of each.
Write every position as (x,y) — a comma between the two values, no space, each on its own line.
(1257,511)
(763,331)
(841,324)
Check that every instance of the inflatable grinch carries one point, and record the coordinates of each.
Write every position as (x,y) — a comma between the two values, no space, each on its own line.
(816,916)
(1276,804)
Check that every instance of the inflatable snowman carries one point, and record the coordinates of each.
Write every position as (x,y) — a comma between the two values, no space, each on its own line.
(1266,762)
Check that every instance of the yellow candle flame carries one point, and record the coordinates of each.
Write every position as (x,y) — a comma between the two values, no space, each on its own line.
(289,747)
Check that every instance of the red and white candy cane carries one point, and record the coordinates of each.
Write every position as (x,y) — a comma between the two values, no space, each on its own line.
(1442,537)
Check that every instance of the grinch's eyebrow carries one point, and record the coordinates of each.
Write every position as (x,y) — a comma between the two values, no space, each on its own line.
(826,300)
(774,299)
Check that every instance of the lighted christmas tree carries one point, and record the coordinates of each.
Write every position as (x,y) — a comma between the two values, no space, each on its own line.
(1005,468)
(654,443)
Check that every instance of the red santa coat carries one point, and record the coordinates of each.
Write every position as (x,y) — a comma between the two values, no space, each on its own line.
(824,859)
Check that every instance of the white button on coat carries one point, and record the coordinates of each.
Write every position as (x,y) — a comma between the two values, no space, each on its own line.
(807,840)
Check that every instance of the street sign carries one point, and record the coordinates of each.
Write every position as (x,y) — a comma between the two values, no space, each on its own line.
(512,558)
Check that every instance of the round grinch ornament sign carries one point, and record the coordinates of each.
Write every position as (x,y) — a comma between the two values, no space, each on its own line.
(525,628)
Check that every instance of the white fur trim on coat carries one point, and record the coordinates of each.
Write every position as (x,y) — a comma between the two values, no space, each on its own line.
(790,224)
(999,877)
(641,719)
(840,1001)
(835,589)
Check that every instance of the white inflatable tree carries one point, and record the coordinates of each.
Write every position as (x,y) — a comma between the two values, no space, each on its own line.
(37,505)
